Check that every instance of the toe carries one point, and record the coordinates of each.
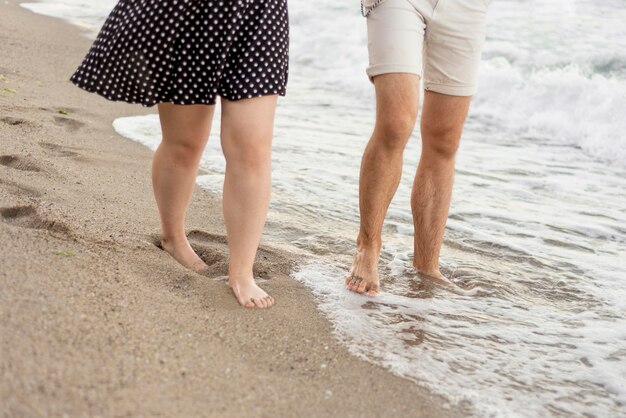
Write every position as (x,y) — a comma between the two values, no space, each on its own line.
(258,303)
(269,301)
(361,287)
(199,265)
(249,304)
(348,280)
(374,289)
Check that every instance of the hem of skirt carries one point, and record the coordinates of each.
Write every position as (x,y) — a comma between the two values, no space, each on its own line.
(152,103)
(281,93)
(144,103)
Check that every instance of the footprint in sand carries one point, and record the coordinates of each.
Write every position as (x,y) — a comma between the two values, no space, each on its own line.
(213,250)
(19,190)
(19,163)
(27,217)
(71,124)
(13,121)
(57,150)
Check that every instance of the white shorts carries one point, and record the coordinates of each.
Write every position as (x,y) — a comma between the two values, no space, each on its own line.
(439,40)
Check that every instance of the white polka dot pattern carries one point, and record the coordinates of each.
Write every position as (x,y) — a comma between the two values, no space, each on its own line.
(189,51)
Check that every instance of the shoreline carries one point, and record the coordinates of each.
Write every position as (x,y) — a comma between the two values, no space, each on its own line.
(96,320)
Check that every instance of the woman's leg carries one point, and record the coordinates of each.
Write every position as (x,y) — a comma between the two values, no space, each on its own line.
(174,168)
(247,127)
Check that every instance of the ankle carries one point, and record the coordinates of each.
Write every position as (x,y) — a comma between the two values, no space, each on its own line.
(364,243)
(427,270)
(174,240)
(240,276)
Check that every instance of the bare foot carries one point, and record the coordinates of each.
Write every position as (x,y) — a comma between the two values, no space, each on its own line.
(184,254)
(363,276)
(438,279)
(248,294)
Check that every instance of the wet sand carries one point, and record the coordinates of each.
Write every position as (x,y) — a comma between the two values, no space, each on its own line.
(95,320)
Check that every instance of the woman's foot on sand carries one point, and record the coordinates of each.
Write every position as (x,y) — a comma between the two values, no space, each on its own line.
(363,276)
(184,254)
(248,294)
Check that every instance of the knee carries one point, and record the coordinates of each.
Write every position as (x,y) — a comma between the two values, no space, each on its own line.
(185,150)
(441,140)
(394,130)
(252,154)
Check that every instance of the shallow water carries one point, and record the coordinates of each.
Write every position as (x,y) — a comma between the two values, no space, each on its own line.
(537,230)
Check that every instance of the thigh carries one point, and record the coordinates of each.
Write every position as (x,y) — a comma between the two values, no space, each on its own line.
(188,125)
(397,100)
(455,35)
(395,31)
(247,125)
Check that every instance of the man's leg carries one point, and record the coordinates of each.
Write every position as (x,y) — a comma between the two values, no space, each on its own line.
(174,168)
(441,126)
(247,127)
(381,168)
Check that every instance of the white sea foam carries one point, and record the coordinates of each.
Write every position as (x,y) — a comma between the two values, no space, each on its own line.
(86,14)
(561,106)
(536,232)
(506,359)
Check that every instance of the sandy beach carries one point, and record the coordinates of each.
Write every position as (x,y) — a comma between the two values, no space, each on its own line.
(95,319)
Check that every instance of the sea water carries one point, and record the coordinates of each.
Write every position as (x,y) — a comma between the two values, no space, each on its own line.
(537,229)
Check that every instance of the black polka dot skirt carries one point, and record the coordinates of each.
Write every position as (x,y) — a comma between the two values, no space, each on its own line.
(189,51)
